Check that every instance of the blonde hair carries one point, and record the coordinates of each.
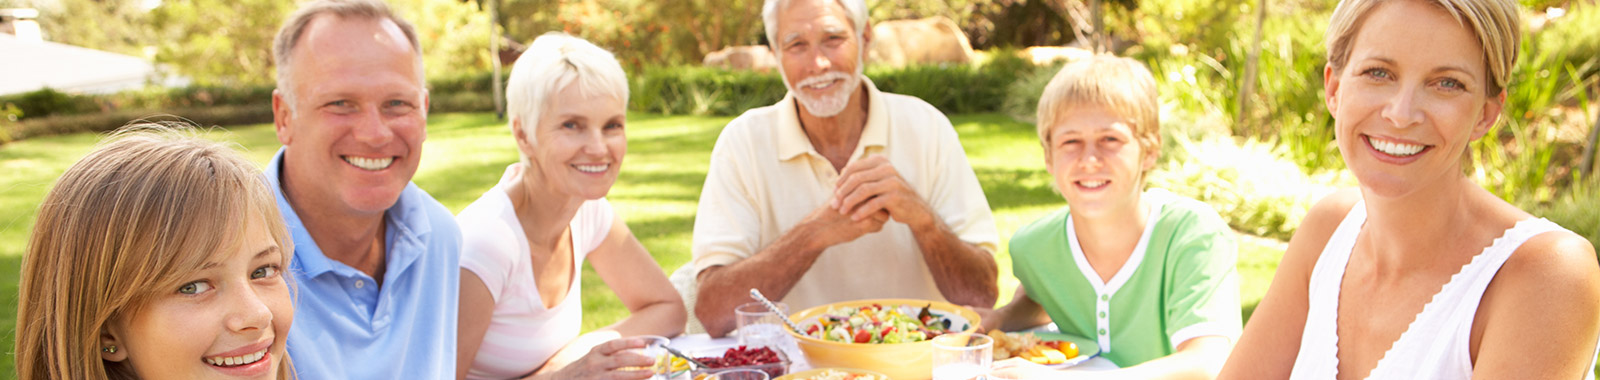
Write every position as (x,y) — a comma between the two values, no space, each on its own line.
(1121,85)
(121,226)
(554,61)
(1495,23)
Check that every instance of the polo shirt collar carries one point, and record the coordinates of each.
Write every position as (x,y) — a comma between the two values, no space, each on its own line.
(407,223)
(792,140)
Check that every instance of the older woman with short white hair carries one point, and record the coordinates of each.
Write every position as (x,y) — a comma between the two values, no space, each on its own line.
(526,239)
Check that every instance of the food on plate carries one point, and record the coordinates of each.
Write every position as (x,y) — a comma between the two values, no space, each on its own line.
(1030,347)
(878,324)
(742,356)
(673,364)
(832,374)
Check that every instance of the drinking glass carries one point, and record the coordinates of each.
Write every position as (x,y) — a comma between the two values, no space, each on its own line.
(962,356)
(657,349)
(741,374)
(759,327)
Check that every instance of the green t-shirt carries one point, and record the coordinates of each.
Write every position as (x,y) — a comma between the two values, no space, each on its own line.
(1181,281)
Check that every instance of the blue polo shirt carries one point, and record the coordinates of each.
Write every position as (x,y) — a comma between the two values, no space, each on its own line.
(348,327)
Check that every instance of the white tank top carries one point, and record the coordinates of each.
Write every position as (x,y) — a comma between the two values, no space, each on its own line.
(1436,344)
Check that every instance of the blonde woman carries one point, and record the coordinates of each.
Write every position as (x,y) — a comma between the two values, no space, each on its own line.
(526,239)
(157,256)
(1421,273)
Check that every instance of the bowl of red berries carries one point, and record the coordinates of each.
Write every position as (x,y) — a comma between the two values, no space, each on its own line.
(724,358)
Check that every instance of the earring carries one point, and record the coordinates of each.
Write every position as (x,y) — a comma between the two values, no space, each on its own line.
(112,349)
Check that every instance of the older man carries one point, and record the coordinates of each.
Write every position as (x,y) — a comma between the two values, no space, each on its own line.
(375,258)
(839,191)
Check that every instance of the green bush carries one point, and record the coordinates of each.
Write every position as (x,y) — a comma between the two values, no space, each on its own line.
(467,82)
(107,121)
(954,89)
(464,101)
(1022,96)
(690,90)
(1253,184)
(1577,210)
(48,101)
(1574,37)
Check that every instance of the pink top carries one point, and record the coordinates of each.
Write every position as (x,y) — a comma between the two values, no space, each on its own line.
(522,334)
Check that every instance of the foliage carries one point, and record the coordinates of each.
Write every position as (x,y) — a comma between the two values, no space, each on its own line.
(712,91)
(114,26)
(1022,96)
(983,85)
(1577,210)
(633,29)
(1574,36)
(219,42)
(687,90)
(46,102)
(1518,158)
(1254,184)
(454,35)
(689,35)
(108,121)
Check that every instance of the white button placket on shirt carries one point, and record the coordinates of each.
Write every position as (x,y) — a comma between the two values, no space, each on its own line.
(1105,290)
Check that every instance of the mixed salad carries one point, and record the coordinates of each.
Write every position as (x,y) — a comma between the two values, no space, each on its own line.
(878,324)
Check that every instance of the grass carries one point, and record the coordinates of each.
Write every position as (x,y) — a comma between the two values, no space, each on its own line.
(656,192)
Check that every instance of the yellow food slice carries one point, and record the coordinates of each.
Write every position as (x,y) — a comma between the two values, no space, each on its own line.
(1054,357)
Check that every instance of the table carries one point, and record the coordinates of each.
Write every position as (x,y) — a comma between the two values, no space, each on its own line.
(690,342)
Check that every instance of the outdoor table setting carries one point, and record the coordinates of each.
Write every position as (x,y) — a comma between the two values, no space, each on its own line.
(812,340)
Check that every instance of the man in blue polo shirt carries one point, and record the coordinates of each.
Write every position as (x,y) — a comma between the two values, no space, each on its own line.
(375,258)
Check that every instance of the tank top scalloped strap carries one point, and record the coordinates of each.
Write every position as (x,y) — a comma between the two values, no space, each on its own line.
(1435,345)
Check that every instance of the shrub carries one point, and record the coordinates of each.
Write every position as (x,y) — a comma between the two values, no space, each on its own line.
(689,90)
(48,101)
(107,121)
(1022,96)
(1251,183)
(1577,210)
(1574,36)
(952,88)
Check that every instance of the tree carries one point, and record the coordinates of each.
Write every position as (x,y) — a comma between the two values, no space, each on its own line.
(114,26)
(219,42)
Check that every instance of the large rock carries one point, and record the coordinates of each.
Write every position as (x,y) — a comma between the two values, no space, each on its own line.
(1045,55)
(756,57)
(930,40)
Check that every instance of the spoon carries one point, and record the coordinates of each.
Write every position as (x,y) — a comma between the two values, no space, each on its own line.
(774,308)
(696,363)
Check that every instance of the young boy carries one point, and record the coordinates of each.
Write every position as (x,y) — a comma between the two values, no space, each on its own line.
(1147,274)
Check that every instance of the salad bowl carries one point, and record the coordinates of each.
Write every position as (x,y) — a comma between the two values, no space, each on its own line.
(901,358)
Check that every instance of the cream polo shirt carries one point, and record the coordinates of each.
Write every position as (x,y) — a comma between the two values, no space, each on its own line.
(765,177)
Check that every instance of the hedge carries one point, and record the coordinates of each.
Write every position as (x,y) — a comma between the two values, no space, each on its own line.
(681,90)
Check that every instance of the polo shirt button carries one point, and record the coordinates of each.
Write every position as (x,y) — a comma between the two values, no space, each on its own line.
(1102,331)
(360,283)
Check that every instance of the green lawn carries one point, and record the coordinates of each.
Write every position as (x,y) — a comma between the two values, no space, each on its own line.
(656,193)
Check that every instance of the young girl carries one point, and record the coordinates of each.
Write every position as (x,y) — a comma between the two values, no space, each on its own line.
(157,256)
(1147,274)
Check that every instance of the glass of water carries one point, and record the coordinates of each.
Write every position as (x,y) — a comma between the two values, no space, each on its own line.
(759,327)
(656,349)
(962,356)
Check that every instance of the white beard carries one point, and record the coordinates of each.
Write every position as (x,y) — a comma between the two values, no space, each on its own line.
(832,103)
